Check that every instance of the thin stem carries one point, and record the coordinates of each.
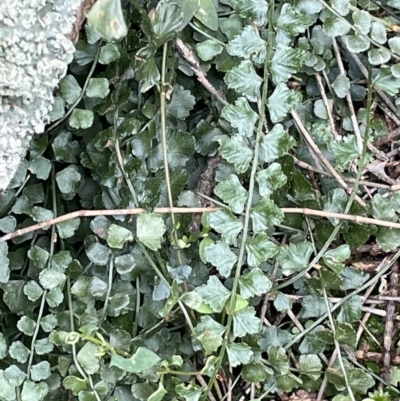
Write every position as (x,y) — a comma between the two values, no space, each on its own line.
(110,282)
(337,346)
(71,109)
(165,146)
(361,165)
(342,301)
(206,34)
(248,208)
(165,281)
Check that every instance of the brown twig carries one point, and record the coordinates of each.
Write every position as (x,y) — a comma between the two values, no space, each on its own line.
(134,211)
(306,166)
(326,103)
(324,160)
(191,59)
(375,357)
(388,333)
(393,134)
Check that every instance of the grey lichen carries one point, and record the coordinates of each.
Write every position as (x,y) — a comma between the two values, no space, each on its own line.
(34,56)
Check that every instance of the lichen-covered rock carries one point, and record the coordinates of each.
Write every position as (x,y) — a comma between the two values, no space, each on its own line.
(34,56)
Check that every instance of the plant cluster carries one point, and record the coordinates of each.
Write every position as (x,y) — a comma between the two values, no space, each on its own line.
(268,119)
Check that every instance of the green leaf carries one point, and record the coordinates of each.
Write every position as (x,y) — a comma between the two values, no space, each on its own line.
(241,116)
(256,372)
(7,390)
(214,293)
(48,323)
(350,311)
(254,283)
(248,45)
(379,56)
(18,351)
(159,394)
(270,179)
(4,263)
(8,224)
(286,62)
(259,249)
(3,346)
(356,43)
(208,49)
(294,257)
(41,167)
(89,359)
(34,391)
(14,375)
(66,229)
(313,306)
(74,384)
(143,359)
(190,392)
(209,333)
(68,179)
(334,26)
(220,256)
(81,118)
(236,151)
(150,229)
(181,103)
(167,20)
(335,258)
(26,325)
(382,208)
(51,278)
(311,366)
(394,44)
(345,334)
(107,20)
(253,10)
(225,223)
(232,193)
(265,215)
(362,21)
(293,21)
(275,144)
(335,201)
(98,254)
(239,354)
(70,89)
(341,85)
(278,359)
(117,236)
(282,101)
(204,134)
(345,151)
(207,14)
(273,336)
(378,33)
(352,278)
(109,53)
(286,383)
(388,238)
(386,81)
(341,6)
(40,214)
(38,256)
(282,303)
(244,80)
(97,87)
(40,371)
(245,322)
(64,148)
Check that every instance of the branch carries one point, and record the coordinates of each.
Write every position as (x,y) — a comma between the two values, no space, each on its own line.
(179,210)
